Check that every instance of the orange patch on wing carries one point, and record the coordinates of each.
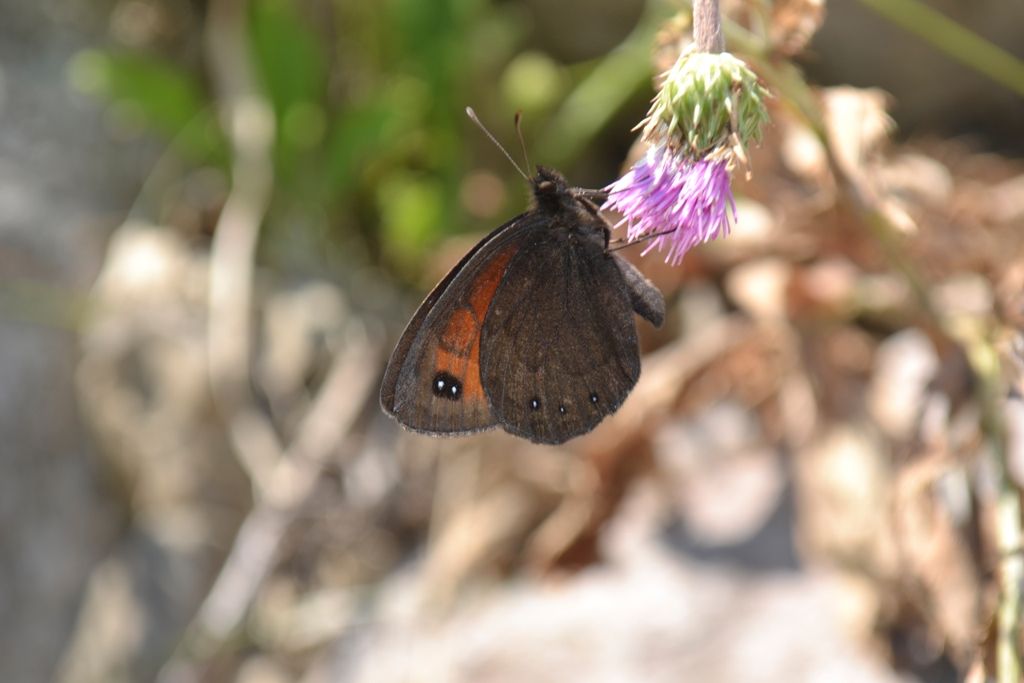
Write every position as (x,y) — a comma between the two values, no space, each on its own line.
(459,350)
(460,332)
(486,284)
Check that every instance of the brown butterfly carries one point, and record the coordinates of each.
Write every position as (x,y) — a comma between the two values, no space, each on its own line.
(532,331)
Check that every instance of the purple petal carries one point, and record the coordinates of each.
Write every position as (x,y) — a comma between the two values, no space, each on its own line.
(689,201)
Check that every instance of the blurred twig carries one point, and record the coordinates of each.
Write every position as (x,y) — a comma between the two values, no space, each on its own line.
(249,123)
(335,408)
(283,476)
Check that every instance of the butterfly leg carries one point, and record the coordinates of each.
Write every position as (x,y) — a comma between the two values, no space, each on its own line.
(599,197)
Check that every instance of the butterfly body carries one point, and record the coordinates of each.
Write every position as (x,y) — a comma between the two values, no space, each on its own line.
(532,331)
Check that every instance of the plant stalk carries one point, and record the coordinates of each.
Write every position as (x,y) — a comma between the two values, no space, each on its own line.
(707,26)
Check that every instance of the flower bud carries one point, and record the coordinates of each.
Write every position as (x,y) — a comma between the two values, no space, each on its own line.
(705,100)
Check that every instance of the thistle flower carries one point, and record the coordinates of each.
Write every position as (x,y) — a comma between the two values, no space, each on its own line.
(708,108)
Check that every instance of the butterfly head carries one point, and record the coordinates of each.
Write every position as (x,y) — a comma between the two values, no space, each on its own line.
(550,189)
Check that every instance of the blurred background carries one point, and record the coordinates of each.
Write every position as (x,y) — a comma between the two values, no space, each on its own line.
(217,215)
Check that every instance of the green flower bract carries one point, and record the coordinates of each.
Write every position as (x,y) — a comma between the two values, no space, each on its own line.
(704,100)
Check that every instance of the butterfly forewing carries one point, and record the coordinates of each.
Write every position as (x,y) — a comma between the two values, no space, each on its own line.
(433,382)
(568,355)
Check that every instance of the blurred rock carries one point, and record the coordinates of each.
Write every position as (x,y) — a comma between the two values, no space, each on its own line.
(965,295)
(1007,200)
(794,23)
(759,287)
(645,617)
(905,364)
(918,177)
(843,479)
(754,230)
(719,474)
(803,153)
(263,670)
(824,288)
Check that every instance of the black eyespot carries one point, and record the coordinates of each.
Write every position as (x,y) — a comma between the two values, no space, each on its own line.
(593,397)
(446,386)
(561,409)
(534,403)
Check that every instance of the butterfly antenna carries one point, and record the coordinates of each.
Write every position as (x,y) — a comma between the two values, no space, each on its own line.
(522,142)
(473,117)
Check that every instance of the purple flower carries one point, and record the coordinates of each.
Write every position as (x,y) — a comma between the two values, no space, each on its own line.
(689,201)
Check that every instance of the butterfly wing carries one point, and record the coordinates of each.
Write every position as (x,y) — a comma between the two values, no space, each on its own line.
(432,383)
(559,344)
(643,295)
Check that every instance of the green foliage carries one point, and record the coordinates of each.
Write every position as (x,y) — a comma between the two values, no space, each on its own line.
(411,209)
(292,66)
(368,98)
(155,93)
(288,55)
(359,132)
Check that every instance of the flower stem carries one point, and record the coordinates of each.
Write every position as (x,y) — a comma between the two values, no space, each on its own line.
(707,26)
(998,421)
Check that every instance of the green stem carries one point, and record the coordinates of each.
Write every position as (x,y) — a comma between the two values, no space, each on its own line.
(990,392)
(597,98)
(954,40)
(1008,618)
(1009,533)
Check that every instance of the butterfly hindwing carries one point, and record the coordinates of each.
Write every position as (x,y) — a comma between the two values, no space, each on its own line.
(568,353)
(645,298)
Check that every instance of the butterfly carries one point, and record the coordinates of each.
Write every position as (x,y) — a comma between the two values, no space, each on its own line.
(532,331)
